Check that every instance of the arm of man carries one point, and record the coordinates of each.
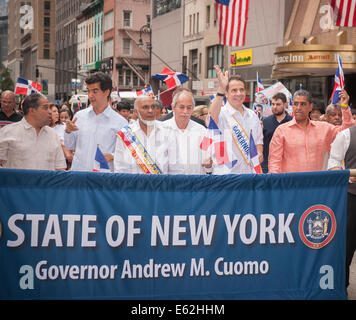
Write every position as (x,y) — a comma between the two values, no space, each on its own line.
(119,156)
(59,161)
(347,119)
(276,153)
(4,147)
(215,106)
(70,136)
(338,150)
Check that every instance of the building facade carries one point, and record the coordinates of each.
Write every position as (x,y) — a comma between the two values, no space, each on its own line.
(68,76)
(308,55)
(3,31)
(31,45)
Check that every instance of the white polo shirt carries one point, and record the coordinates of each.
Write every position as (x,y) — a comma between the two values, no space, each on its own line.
(228,118)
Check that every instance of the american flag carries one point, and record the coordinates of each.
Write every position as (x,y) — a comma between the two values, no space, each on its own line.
(345,11)
(232,20)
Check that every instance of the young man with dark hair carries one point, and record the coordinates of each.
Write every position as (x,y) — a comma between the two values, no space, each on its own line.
(124,109)
(95,126)
(30,143)
(270,124)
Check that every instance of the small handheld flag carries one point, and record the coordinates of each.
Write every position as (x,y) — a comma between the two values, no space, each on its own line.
(339,82)
(260,86)
(147,90)
(100,163)
(255,163)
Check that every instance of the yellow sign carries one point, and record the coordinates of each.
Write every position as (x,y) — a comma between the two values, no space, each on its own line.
(240,58)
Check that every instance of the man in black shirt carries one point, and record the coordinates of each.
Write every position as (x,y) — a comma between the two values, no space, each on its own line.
(270,124)
(8,114)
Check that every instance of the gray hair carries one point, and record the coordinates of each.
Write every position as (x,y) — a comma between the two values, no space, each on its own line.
(139,98)
(304,93)
(331,107)
(180,93)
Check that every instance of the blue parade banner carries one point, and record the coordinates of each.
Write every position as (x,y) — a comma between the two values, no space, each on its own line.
(77,235)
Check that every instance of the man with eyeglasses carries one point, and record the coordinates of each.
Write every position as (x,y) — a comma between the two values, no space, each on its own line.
(301,144)
(31,143)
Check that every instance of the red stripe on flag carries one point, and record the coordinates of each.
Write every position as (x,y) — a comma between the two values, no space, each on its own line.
(232,23)
(226,9)
(220,153)
(348,13)
(206,143)
(246,17)
(339,14)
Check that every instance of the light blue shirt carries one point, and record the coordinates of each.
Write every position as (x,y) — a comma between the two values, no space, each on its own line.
(93,130)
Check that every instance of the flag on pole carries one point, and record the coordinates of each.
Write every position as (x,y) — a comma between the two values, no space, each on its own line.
(100,163)
(147,90)
(118,95)
(255,162)
(27,87)
(339,82)
(345,12)
(171,78)
(232,20)
(260,86)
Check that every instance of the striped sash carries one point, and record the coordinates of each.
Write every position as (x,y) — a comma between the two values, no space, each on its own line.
(138,151)
(241,140)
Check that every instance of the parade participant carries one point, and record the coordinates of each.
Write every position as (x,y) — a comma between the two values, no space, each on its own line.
(236,122)
(333,114)
(141,147)
(30,143)
(343,155)
(124,109)
(8,114)
(201,112)
(184,138)
(170,114)
(94,126)
(316,113)
(270,124)
(302,144)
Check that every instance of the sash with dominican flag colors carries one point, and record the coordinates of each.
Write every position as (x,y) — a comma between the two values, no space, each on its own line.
(138,151)
(100,163)
(339,82)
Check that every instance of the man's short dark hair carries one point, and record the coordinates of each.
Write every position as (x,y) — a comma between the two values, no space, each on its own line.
(304,93)
(122,105)
(104,80)
(236,77)
(280,95)
(31,101)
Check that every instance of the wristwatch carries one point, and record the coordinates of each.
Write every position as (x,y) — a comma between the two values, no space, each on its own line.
(220,94)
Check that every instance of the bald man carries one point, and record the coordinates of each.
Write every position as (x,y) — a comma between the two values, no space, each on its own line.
(8,114)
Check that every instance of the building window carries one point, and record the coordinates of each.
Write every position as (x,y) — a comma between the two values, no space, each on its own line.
(46,37)
(126,47)
(47,22)
(108,48)
(161,7)
(47,5)
(207,17)
(46,54)
(127,19)
(215,56)
(109,20)
(148,19)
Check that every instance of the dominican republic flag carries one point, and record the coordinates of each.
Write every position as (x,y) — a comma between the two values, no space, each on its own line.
(100,163)
(345,12)
(215,139)
(145,91)
(27,87)
(339,82)
(260,86)
(171,78)
(255,163)
(232,20)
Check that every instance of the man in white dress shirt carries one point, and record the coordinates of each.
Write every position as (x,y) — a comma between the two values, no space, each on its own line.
(94,126)
(185,137)
(236,122)
(151,155)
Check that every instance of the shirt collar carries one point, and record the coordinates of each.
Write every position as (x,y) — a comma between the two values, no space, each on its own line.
(293,122)
(106,113)
(233,111)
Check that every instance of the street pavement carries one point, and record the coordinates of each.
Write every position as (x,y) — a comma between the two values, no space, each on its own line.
(352,287)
